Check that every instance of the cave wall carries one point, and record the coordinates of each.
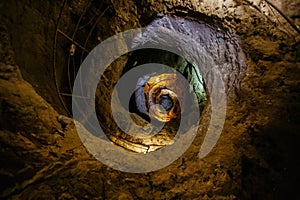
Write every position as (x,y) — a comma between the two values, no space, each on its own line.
(42,156)
(38,62)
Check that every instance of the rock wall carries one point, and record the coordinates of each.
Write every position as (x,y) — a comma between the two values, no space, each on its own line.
(42,156)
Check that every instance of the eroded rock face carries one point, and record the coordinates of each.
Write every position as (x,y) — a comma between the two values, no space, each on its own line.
(256,157)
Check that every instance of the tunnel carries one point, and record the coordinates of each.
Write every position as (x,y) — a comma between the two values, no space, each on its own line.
(147,99)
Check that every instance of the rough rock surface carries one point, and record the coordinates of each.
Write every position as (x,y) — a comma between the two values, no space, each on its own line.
(255,158)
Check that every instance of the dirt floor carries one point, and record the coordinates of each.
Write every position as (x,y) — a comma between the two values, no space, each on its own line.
(42,156)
